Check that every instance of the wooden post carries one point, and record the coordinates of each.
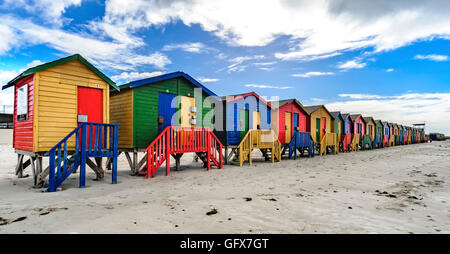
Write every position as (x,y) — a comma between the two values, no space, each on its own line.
(135,158)
(226,155)
(168,152)
(83,157)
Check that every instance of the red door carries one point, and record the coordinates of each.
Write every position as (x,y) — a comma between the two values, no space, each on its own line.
(324,125)
(90,107)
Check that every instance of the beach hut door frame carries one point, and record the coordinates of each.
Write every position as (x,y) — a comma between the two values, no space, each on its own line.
(165,110)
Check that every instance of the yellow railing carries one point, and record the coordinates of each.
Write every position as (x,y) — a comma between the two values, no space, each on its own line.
(355,142)
(259,139)
(329,139)
(392,140)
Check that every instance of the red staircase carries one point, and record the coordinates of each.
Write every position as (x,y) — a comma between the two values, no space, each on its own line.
(347,142)
(179,140)
(385,142)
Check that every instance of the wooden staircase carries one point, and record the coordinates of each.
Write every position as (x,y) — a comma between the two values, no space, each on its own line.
(301,141)
(264,140)
(346,142)
(377,142)
(100,141)
(356,140)
(366,143)
(176,141)
(329,139)
(385,142)
(392,140)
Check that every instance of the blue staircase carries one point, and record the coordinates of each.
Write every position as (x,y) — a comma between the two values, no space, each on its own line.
(377,142)
(91,140)
(301,140)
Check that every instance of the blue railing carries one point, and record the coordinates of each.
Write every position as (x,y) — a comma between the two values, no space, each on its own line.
(301,140)
(377,141)
(91,140)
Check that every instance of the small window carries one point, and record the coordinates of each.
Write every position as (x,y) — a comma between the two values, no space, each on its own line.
(22,103)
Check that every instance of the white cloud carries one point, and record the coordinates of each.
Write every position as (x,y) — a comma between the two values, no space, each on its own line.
(49,10)
(431,108)
(194,47)
(7,38)
(207,80)
(266,68)
(6,76)
(390,70)
(264,63)
(34,63)
(131,76)
(312,74)
(268,86)
(117,54)
(237,62)
(432,57)
(352,64)
(6,96)
(320,28)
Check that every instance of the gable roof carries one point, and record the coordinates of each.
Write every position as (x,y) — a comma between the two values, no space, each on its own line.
(167,76)
(314,108)
(345,115)
(336,114)
(59,62)
(378,121)
(368,118)
(356,116)
(288,101)
(230,98)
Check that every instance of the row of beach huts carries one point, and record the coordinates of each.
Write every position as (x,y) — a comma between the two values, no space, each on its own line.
(74,115)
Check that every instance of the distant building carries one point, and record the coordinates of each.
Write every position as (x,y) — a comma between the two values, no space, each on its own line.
(6,121)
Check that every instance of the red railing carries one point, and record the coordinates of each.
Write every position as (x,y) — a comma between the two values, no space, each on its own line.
(347,142)
(176,140)
(385,142)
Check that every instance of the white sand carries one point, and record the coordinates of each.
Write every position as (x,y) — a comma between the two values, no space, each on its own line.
(303,196)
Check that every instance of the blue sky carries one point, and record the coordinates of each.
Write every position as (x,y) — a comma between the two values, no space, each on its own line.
(385,59)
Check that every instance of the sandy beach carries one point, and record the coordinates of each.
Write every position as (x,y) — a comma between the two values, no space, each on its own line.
(402,189)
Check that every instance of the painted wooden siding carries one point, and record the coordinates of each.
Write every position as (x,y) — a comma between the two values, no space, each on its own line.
(145,110)
(359,120)
(278,120)
(319,114)
(23,130)
(348,123)
(371,124)
(56,104)
(121,112)
(335,127)
(233,110)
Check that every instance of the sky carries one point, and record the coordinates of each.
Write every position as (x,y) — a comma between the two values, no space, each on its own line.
(385,59)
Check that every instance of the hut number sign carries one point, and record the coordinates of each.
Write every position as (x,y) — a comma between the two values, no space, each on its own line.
(22,103)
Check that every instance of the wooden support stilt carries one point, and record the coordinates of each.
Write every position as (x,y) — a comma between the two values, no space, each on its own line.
(33,169)
(226,155)
(98,171)
(130,163)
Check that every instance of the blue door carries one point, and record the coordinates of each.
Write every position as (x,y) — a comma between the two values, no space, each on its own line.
(295,123)
(165,110)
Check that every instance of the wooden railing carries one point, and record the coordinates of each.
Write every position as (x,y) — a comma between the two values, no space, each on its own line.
(177,140)
(356,140)
(91,140)
(301,140)
(347,142)
(329,139)
(377,142)
(258,139)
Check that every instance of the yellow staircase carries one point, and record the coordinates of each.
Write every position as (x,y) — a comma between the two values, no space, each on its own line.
(355,142)
(259,139)
(329,139)
(392,140)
